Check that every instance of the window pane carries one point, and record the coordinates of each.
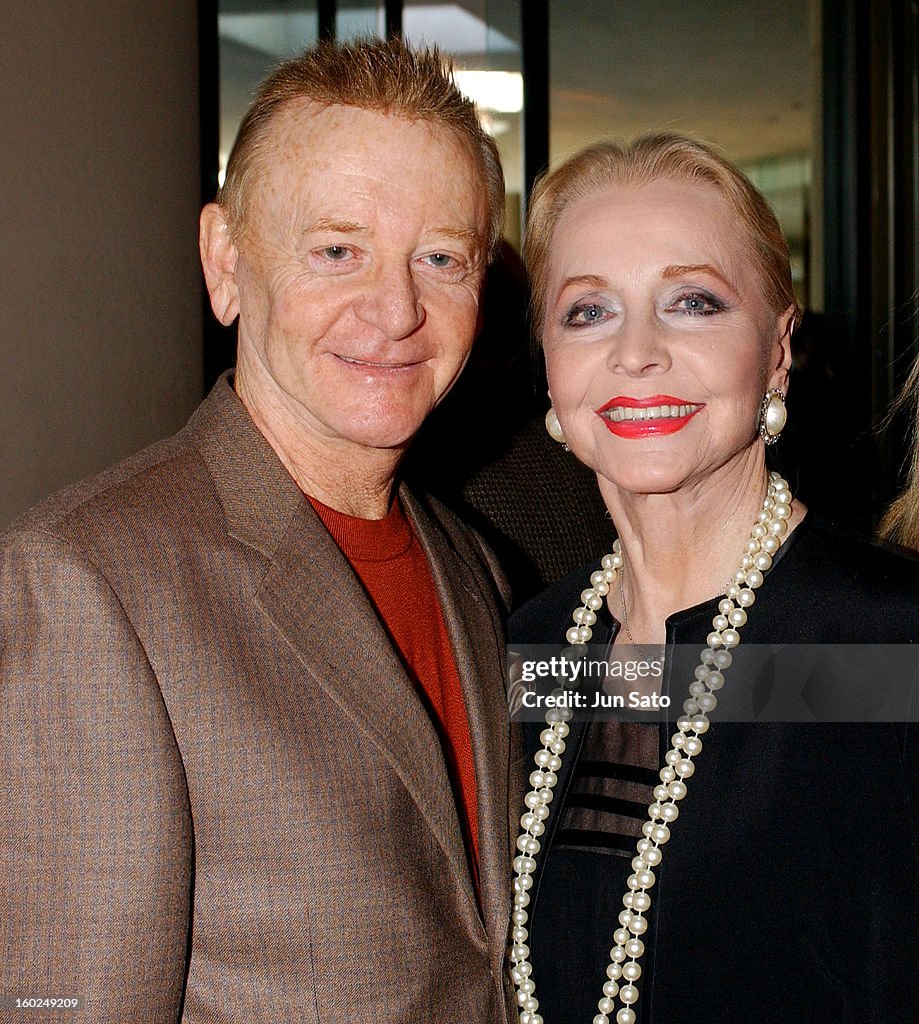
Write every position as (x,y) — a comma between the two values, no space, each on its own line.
(253,38)
(353,21)
(742,76)
(483,37)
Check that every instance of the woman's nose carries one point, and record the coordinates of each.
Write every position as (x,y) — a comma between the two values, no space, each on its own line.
(640,347)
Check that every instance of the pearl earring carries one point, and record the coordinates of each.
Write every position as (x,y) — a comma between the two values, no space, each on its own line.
(553,429)
(772,416)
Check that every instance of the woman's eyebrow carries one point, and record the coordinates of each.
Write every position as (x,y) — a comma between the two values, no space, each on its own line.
(681,269)
(584,279)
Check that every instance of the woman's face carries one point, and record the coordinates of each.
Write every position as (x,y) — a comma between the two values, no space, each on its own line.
(659,343)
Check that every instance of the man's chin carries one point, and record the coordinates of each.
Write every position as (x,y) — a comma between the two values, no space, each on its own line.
(388,435)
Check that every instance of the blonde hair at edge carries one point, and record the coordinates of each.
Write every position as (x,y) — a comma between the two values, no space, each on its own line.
(901,521)
(372,74)
(651,158)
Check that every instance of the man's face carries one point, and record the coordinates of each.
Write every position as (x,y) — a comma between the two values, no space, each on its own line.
(359,271)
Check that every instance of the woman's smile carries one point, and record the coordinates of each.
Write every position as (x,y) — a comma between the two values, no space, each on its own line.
(642,417)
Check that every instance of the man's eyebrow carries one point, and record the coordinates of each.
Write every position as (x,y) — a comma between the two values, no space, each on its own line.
(460,234)
(345,227)
(349,227)
(679,270)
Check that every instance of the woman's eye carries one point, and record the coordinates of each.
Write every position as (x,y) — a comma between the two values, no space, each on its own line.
(439,259)
(585,314)
(697,304)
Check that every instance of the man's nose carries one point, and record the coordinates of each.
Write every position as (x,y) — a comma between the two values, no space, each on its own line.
(391,301)
(640,347)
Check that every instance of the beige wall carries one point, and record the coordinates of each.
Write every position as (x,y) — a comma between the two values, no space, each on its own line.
(100,301)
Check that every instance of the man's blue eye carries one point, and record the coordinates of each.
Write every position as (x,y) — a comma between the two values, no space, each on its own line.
(440,259)
(335,252)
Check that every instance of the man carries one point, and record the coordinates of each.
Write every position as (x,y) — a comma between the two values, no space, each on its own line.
(255,741)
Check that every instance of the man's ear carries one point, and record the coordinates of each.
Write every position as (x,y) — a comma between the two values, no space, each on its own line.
(781,362)
(218,258)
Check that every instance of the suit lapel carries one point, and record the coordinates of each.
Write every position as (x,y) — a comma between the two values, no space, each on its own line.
(318,606)
(480,663)
(321,610)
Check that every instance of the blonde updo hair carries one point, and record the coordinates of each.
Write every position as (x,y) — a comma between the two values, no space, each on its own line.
(652,158)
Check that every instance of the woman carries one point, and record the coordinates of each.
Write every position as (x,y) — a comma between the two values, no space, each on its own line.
(788,890)
(901,521)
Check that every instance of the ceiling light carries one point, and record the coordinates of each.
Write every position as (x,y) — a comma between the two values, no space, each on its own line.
(501,91)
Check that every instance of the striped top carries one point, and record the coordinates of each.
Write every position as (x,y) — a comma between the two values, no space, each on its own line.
(607,802)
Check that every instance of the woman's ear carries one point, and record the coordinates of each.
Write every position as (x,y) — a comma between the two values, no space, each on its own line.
(781,354)
(218,258)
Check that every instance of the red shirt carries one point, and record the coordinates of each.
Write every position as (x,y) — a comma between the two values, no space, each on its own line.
(391,564)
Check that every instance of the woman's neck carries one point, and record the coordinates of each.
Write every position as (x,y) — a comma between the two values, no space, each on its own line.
(680,549)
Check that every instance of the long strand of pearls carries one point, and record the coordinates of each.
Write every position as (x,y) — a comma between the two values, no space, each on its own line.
(624,969)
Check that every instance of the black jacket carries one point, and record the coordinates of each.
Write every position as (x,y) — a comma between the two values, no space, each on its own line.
(789,891)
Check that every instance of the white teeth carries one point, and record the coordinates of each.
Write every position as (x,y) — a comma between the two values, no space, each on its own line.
(654,412)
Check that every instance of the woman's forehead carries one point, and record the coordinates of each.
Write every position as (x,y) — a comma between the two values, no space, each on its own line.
(628,233)
(699,202)
(661,220)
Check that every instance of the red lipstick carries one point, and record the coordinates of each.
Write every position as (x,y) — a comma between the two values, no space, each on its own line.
(647,417)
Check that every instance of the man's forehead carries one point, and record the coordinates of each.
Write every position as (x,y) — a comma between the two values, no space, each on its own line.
(300,118)
(313,155)
(303,129)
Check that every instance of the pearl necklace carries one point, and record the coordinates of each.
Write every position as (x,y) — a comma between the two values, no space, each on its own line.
(765,539)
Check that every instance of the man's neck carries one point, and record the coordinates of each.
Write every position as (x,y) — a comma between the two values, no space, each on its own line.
(347,477)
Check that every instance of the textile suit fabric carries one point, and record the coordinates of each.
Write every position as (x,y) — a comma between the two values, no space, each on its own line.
(223,801)
(789,888)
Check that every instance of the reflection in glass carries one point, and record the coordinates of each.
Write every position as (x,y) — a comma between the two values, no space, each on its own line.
(741,76)
(483,37)
(354,21)
(253,38)
(256,34)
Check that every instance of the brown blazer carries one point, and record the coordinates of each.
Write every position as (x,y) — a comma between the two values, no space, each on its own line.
(221,798)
